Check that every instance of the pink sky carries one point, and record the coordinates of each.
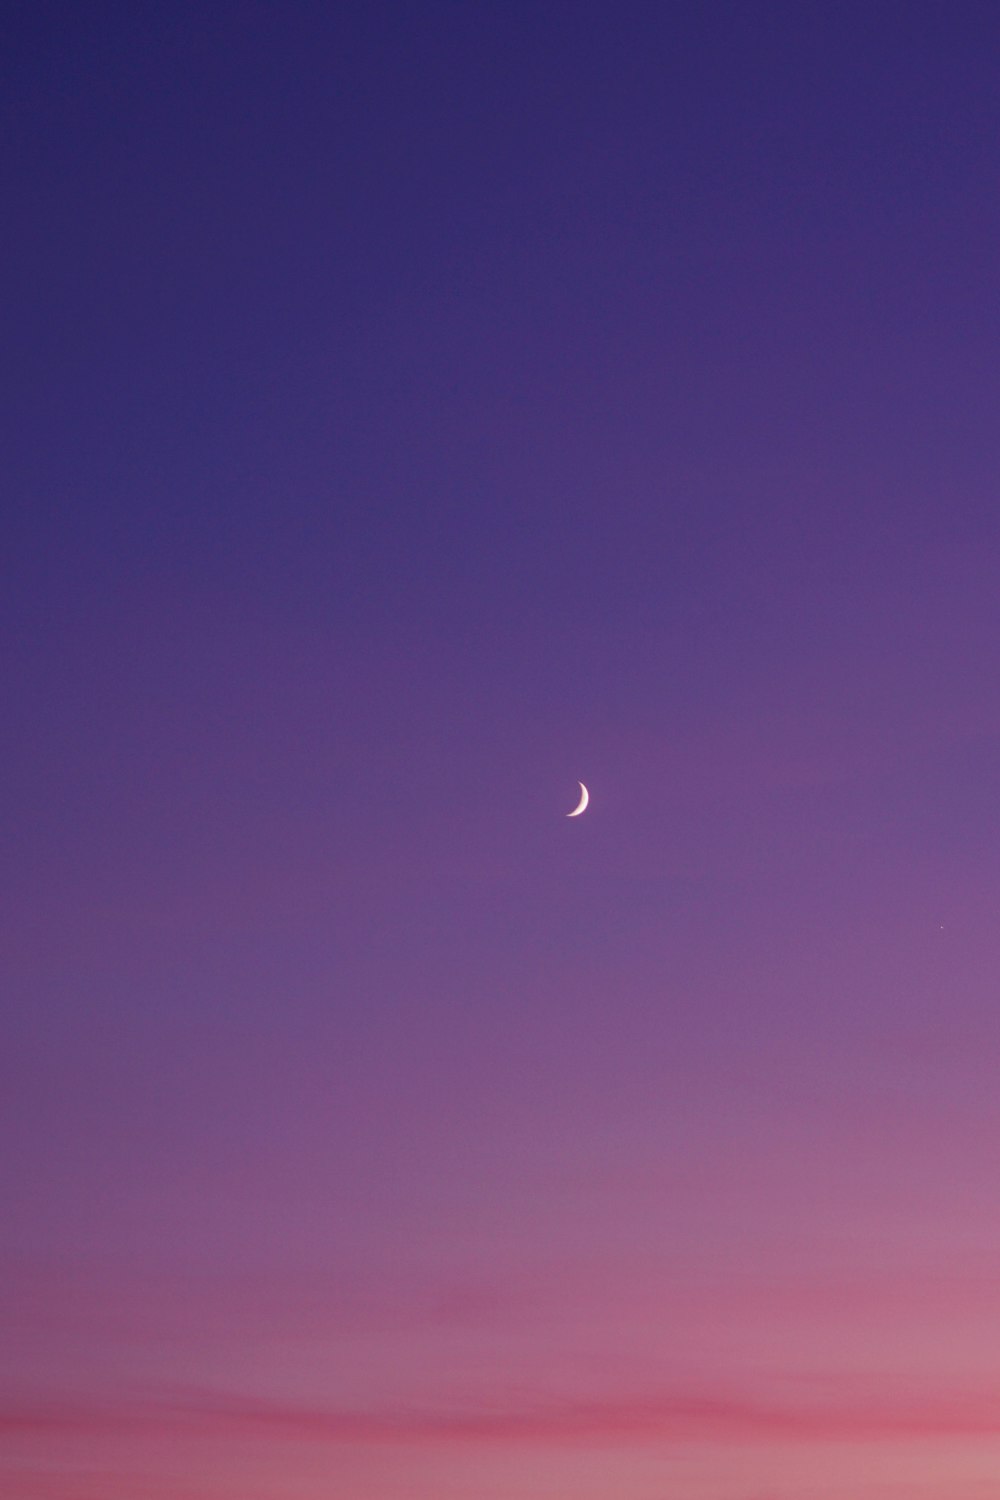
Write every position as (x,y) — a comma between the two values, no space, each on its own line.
(415,408)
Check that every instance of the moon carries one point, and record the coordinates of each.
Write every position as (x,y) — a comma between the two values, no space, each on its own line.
(582,804)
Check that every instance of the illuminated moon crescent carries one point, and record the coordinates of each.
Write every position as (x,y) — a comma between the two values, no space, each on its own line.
(582,804)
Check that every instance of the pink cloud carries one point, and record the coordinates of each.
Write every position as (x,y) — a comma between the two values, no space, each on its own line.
(671,1418)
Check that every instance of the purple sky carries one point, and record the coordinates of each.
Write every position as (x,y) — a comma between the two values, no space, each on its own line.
(412,410)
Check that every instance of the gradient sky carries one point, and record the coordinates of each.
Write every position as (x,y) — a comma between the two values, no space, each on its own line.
(412,409)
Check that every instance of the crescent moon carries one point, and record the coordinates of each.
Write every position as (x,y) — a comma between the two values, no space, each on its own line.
(582,804)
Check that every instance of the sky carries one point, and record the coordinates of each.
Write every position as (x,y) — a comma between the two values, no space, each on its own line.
(413,410)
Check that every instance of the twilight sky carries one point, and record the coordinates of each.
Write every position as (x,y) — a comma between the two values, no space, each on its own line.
(412,409)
